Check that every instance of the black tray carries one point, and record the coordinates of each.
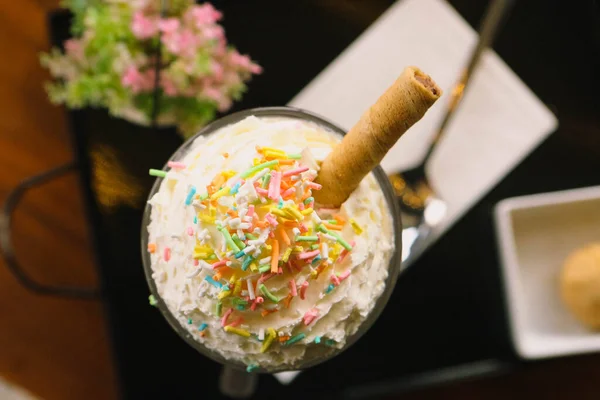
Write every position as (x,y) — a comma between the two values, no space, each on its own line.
(446,319)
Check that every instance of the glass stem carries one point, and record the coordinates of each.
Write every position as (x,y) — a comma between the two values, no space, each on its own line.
(237,383)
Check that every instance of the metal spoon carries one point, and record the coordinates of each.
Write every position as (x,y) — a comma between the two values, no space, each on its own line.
(421,209)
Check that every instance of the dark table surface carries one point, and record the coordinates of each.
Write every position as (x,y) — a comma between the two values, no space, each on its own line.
(448,309)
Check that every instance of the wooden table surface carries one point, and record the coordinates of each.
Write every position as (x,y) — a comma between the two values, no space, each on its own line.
(59,349)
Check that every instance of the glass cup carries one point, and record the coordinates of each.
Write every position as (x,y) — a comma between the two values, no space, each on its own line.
(231,374)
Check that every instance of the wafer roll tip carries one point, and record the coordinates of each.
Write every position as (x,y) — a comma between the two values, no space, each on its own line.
(362,149)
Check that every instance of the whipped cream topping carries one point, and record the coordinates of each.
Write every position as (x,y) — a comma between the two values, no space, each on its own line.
(248,307)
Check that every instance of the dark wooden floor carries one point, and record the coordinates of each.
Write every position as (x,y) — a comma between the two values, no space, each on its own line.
(59,349)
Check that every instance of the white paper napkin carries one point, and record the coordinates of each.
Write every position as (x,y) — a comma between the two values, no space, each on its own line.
(498,123)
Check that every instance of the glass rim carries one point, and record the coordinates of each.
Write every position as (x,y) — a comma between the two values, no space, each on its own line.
(394,266)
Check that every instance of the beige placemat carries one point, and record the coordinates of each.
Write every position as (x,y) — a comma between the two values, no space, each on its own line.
(499,122)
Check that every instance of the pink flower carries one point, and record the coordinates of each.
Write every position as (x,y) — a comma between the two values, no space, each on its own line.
(181,43)
(143,27)
(244,62)
(168,25)
(74,48)
(238,60)
(135,80)
(255,69)
(222,100)
(203,15)
(224,104)
(168,86)
(211,93)
(217,70)
(214,32)
(220,50)
(231,78)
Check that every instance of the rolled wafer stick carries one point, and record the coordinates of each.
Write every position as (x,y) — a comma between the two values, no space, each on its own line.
(362,149)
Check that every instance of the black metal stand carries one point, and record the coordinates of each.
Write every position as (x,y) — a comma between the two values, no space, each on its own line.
(14,197)
(6,247)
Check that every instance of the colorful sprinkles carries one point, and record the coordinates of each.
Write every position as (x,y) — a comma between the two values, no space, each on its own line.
(158,173)
(251,368)
(269,226)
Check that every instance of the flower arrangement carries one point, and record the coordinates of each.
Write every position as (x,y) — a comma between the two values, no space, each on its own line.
(111,62)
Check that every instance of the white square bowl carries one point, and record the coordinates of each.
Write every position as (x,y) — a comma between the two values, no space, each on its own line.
(535,235)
